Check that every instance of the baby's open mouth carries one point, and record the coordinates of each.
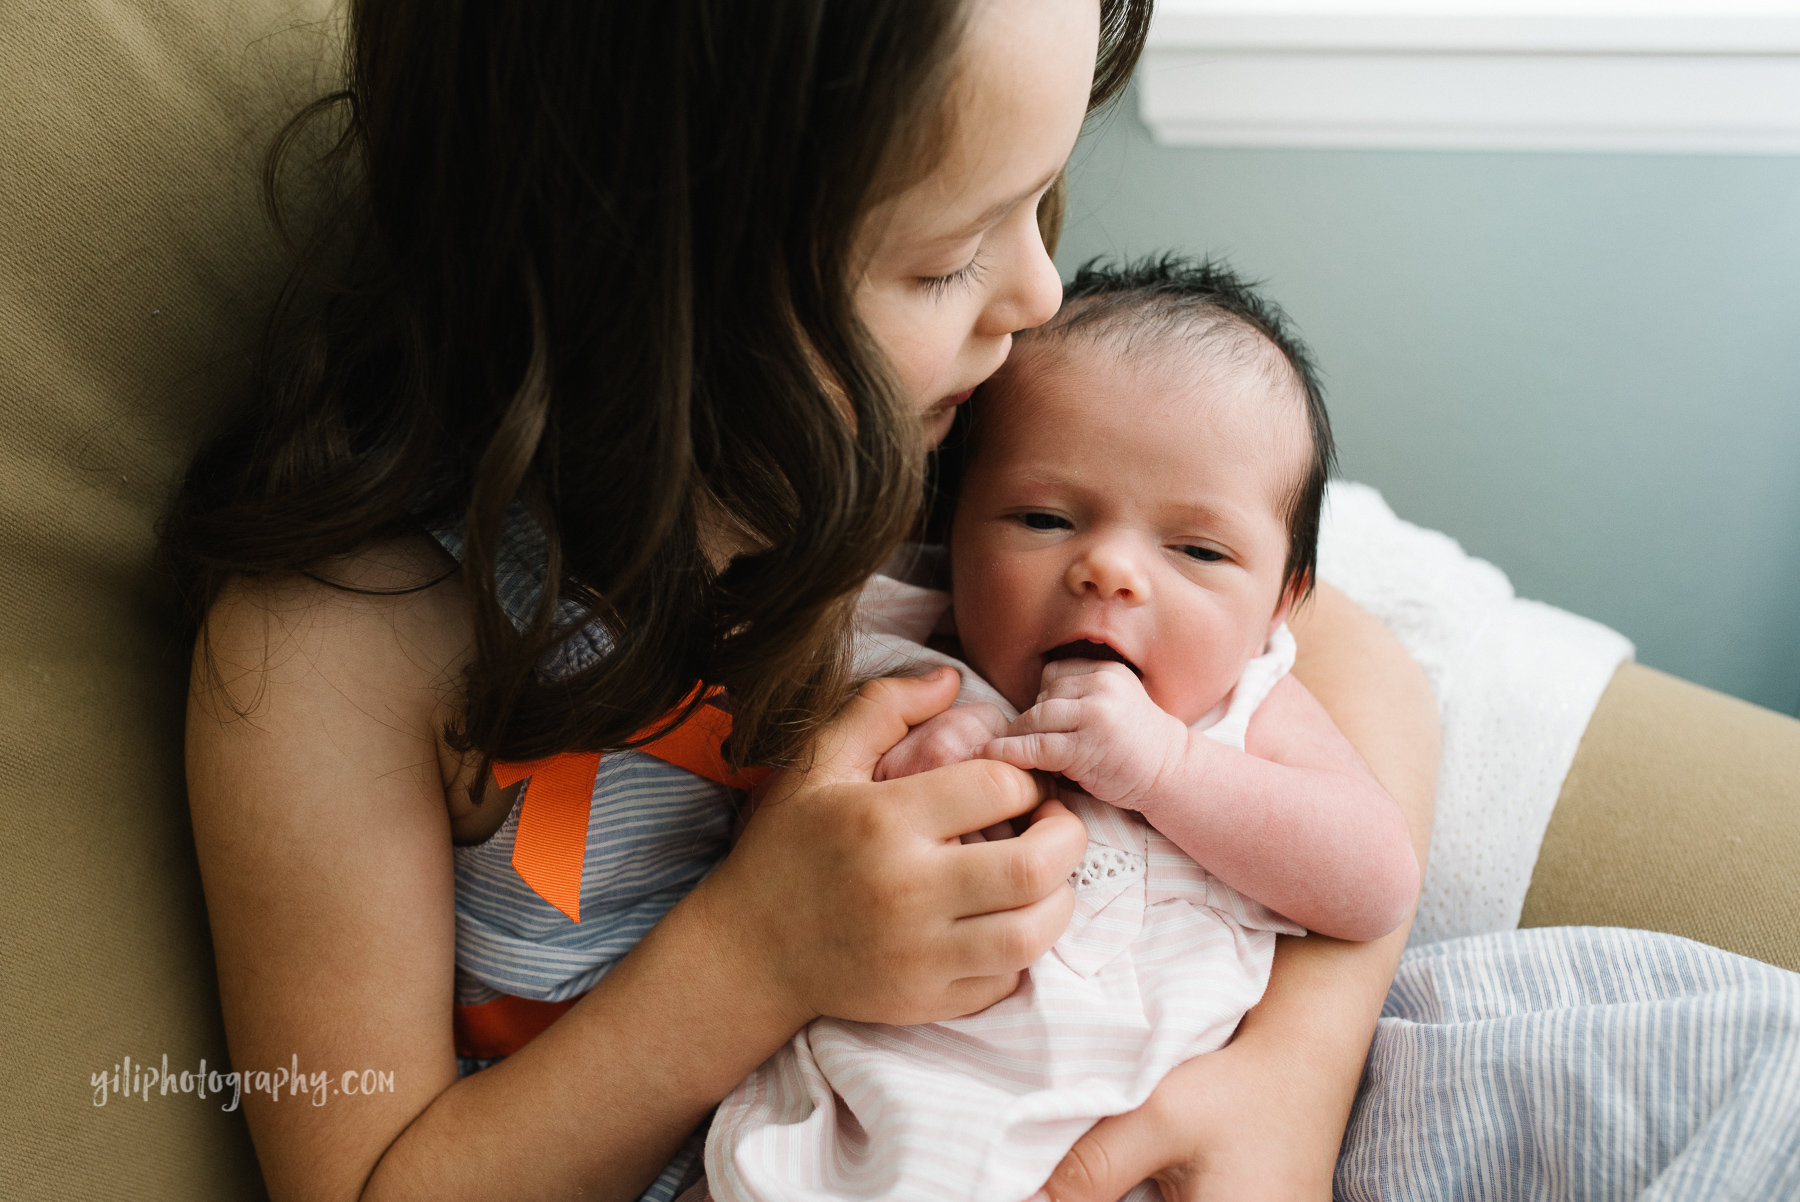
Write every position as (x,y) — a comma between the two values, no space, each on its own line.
(1088,649)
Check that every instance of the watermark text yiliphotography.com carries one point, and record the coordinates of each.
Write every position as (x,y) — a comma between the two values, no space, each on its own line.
(135,1079)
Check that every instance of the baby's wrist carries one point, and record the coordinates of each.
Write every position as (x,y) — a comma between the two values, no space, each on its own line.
(1177,775)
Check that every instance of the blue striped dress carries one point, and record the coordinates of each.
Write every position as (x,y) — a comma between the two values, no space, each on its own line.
(654,830)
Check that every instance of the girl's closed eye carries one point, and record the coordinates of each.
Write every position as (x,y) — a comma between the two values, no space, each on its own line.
(1203,554)
(1045,521)
(937,285)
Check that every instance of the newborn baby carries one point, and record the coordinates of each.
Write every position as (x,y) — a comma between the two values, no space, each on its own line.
(1137,517)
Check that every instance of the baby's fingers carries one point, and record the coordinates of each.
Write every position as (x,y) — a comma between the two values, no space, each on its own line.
(1062,714)
(1062,677)
(877,719)
(1045,751)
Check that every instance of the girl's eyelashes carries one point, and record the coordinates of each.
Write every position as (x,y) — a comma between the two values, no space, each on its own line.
(937,285)
(1203,554)
(1045,521)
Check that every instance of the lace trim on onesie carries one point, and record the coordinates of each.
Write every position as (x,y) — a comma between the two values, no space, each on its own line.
(1106,867)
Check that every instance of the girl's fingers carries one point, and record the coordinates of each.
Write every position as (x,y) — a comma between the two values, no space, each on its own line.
(1001,876)
(974,994)
(1010,941)
(1050,752)
(970,796)
(1110,1159)
(876,719)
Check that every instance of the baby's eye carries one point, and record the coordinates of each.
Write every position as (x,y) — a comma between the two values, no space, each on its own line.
(1203,554)
(1045,521)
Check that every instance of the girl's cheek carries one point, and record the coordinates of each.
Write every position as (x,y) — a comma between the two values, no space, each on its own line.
(920,360)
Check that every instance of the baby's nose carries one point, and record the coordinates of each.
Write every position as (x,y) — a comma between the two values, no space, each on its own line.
(1111,572)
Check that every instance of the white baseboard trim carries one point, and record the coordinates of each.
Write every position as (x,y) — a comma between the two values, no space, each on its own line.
(1713,85)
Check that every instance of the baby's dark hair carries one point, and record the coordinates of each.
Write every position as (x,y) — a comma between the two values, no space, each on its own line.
(1209,310)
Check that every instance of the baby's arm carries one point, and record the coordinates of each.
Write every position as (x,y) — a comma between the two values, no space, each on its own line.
(1299,823)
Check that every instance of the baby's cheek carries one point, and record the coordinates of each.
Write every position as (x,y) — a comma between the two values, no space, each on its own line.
(999,635)
(1010,670)
(1190,695)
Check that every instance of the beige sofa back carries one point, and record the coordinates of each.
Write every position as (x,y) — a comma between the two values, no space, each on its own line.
(135,270)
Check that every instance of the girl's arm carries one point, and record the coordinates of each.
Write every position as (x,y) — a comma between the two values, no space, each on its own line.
(318,780)
(1263,1117)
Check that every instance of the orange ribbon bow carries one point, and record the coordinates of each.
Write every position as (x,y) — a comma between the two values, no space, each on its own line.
(550,845)
(551,842)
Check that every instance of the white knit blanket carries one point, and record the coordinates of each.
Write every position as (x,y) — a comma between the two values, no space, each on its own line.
(1516,683)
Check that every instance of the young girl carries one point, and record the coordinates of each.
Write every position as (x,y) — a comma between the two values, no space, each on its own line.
(696,284)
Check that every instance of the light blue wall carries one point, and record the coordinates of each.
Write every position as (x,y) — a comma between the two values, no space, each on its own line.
(1585,367)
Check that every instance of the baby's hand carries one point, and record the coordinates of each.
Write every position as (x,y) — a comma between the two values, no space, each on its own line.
(950,738)
(1095,724)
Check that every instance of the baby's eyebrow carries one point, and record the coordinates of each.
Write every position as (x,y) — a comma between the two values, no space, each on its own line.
(1212,516)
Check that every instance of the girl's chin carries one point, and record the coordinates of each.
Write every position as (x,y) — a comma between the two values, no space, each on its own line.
(938,420)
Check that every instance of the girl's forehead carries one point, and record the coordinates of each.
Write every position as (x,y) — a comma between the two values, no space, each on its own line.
(1024,72)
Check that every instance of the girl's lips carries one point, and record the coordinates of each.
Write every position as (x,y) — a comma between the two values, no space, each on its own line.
(951,402)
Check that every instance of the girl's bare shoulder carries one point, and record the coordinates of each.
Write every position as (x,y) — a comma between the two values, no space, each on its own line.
(401,602)
(375,638)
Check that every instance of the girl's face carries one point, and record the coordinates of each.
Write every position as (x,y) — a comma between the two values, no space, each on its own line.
(955,263)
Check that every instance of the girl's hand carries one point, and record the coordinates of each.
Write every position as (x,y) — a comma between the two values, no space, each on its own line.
(856,899)
(1242,1123)
(1095,724)
(950,738)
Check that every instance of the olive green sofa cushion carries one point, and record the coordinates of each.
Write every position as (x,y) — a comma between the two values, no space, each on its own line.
(135,271)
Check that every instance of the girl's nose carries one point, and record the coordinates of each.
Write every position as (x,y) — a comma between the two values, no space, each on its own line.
(1108,571)
(1031,290)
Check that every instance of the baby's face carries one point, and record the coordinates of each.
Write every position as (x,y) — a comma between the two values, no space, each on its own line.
(1126,510)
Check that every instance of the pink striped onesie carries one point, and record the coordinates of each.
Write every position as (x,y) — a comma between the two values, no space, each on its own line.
(1158,964)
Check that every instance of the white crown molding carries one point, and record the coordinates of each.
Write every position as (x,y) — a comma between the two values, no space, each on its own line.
(1218,73)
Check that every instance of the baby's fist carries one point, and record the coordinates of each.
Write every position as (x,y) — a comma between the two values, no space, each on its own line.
(950,738)
(1095,724)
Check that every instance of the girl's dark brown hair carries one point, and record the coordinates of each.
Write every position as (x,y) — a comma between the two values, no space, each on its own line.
(600,265)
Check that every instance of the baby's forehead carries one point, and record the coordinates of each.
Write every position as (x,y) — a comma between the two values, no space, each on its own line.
(1196,338)
(1146,420)
(1226,371)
